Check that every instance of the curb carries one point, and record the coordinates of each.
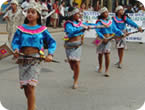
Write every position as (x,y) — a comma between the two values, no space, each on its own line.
(3,32)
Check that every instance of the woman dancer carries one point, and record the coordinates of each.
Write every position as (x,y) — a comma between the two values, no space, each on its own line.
(120,21)
(28,40)
(74,29)
(105,47)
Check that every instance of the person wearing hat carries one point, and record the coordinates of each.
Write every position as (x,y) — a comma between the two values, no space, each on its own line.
(14,18)
(129,9)
(28,41)
(74,29)
(44,12)
(104,33)
(141,9)
(120,21)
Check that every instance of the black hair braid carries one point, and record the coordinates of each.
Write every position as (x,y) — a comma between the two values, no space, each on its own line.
(100,17)
(123,16)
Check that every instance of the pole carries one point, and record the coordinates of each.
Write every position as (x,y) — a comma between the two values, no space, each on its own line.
(109,5)
(102,3)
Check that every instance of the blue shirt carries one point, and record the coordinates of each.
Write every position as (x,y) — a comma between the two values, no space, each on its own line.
(121,24)
(73,31)
(111,29)
(33,36)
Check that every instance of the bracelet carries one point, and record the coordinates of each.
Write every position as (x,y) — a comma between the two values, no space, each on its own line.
(51,54)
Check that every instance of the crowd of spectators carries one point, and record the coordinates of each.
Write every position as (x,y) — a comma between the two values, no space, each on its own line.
(57,11)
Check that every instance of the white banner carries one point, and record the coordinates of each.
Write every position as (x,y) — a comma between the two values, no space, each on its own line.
(138,18)
(91,17)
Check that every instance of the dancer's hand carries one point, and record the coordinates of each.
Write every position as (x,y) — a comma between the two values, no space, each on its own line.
(16,53)
(86,27)
(89,27)
(125,35)
(140,29)
(106,26)
(1,13)
(105,41)
(48,58)
(5,18)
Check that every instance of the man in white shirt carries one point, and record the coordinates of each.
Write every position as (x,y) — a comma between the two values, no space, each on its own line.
(44,12)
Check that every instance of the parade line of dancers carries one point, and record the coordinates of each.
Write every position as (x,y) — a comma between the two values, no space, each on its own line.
(29,40)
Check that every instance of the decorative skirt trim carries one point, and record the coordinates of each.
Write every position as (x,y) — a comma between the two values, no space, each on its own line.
(32,82)
(73,58)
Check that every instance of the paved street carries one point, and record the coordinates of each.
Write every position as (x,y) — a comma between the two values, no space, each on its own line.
(124,90)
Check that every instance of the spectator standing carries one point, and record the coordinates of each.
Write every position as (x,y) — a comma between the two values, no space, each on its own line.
(44,12)
(129,9)
(135,8)
(14,18)
(97,6)
(49,6)
(66,11)
(141,9)
(90,8)
(82,9)
(61,14)
(75,5)
(55,15)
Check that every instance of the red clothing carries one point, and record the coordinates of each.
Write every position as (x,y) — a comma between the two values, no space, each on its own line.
(55,6)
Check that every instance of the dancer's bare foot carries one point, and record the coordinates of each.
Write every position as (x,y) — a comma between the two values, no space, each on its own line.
(119,66)
(36,107)
(116,64)
(107,74)
(75,86)
(100,70)
(66,60)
